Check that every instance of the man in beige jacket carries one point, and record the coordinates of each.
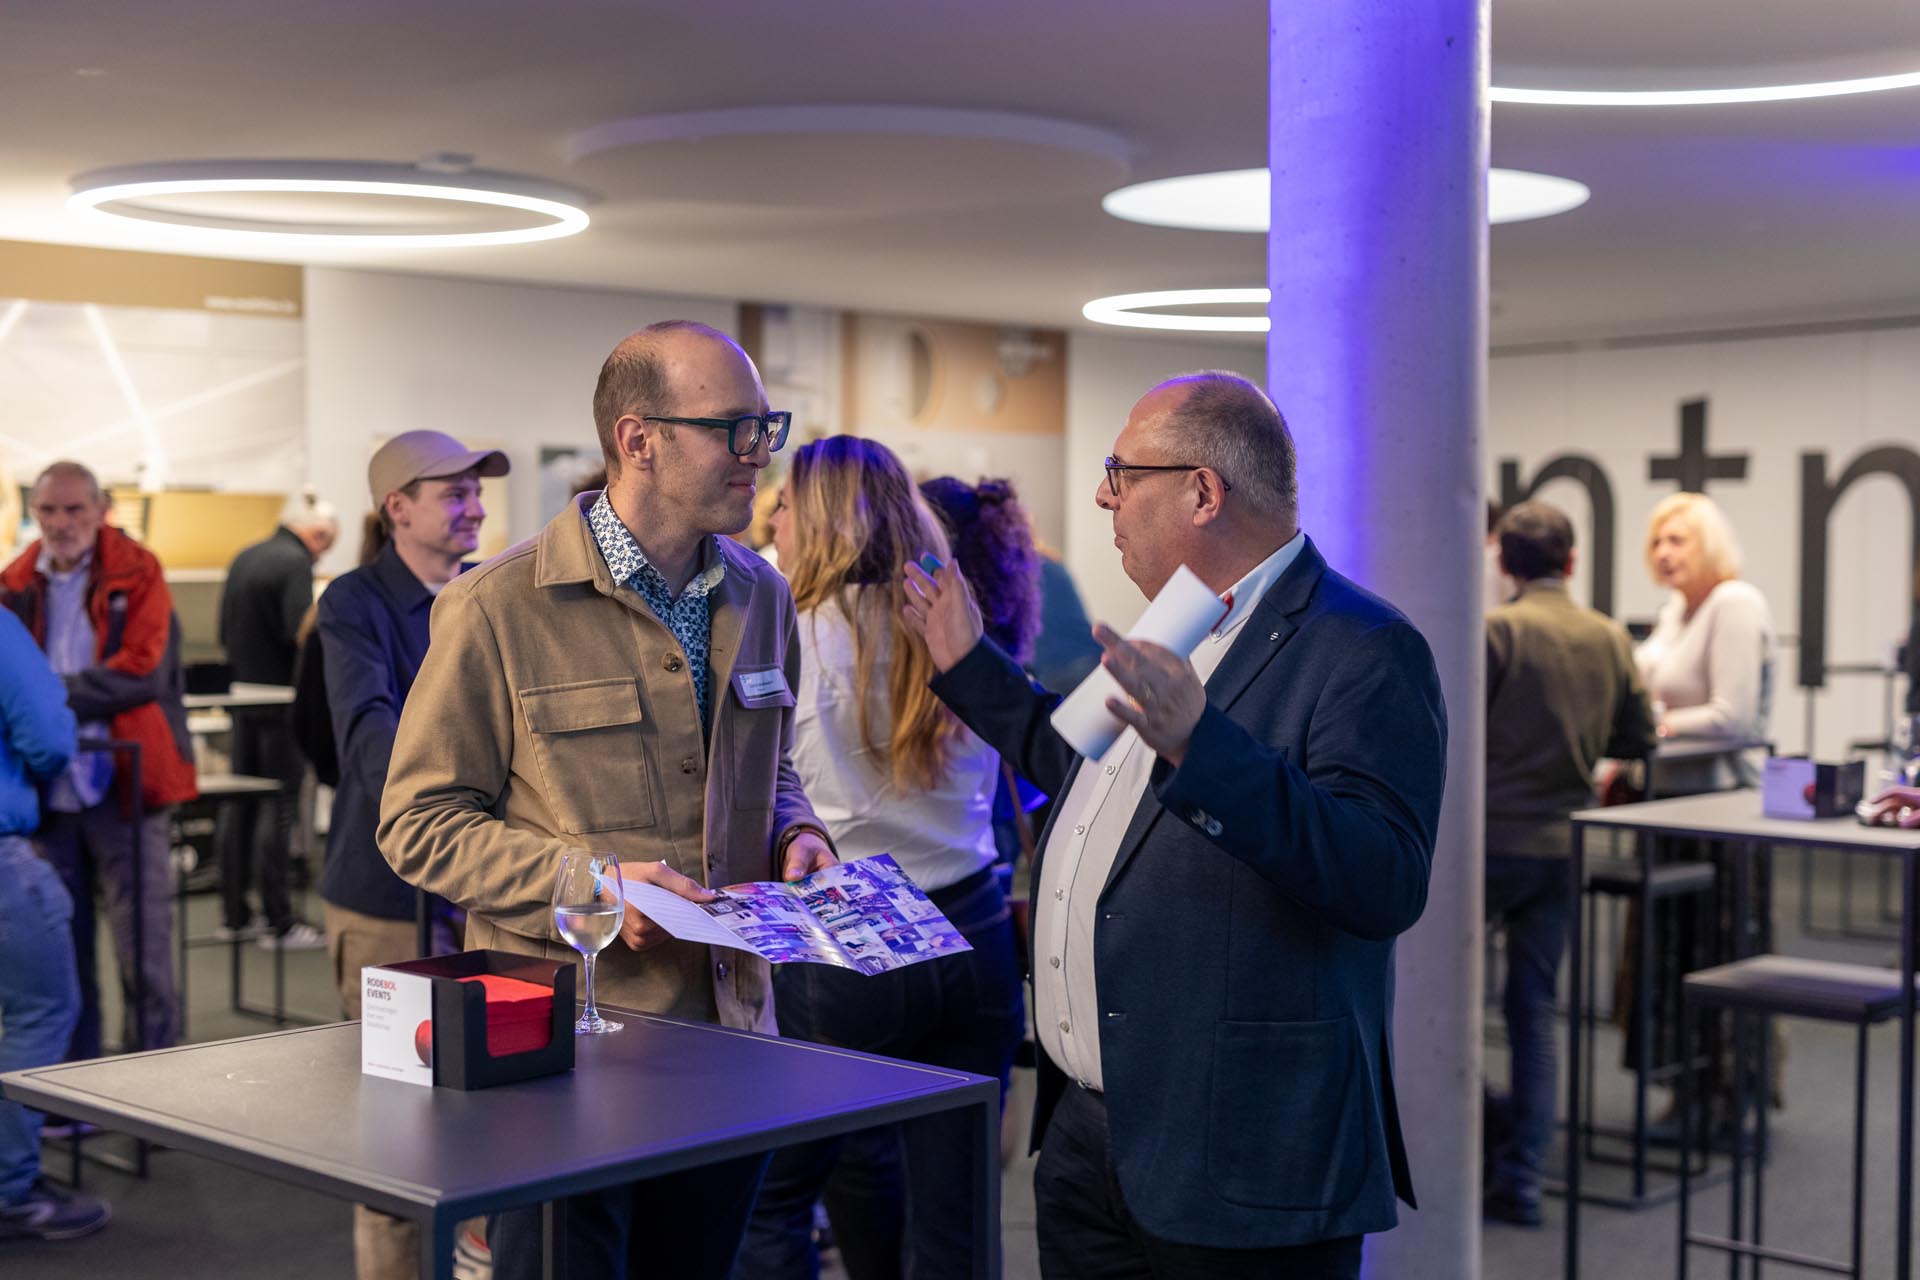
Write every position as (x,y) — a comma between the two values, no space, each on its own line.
(622,682)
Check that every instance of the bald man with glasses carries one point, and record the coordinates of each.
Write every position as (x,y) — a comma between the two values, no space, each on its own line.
(624,683)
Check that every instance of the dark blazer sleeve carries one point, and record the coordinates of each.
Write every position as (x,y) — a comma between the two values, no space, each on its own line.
(1351,836)
(994,698)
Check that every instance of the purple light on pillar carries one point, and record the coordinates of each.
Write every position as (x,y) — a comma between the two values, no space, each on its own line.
(1377,263)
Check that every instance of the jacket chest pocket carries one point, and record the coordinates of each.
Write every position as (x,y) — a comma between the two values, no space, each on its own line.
(591,750)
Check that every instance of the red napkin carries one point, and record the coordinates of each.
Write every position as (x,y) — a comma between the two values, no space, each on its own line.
(519,1014)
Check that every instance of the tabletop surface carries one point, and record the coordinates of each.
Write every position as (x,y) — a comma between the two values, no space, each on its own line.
(241,694)
(1735,815)
(658,1096)
(1682,748)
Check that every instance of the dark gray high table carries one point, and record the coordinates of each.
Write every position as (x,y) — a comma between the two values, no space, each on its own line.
(660,1096)
(1735,816)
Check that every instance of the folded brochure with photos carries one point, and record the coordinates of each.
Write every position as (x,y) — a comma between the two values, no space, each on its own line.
(864,915)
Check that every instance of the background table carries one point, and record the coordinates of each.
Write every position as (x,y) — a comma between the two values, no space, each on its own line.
(241,694)
(1735,816)
(660,1096)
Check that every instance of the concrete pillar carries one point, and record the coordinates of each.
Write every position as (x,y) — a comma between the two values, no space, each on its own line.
(1377,262)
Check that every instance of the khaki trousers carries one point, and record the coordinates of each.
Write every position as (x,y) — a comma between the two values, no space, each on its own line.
(384,1247)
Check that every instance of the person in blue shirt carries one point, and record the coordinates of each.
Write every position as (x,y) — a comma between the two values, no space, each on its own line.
(39,984)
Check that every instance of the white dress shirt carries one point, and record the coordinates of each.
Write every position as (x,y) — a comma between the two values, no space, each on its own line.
(1080,849)
(939,835)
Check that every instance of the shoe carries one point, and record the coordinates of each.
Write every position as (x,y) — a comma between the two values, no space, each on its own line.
(472,1259)
(300,936)
(1506,1206)
(246,932)
(47,1214)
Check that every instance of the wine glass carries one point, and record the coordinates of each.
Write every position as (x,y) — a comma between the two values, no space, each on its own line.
(588,907)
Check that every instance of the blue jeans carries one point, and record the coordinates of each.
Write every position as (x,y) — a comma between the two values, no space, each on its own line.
(1528,898)
(39,997)
(897,1195)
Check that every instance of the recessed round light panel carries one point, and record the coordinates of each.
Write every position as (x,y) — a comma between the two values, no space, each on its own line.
(1518,195)
(1240,199)
(1703,97)
(1149,310)
(295,203)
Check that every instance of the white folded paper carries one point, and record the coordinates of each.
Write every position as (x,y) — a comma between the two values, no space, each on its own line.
(1178,619)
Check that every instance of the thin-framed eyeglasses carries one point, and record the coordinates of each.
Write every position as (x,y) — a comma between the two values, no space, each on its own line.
(1115,467)
(745,432)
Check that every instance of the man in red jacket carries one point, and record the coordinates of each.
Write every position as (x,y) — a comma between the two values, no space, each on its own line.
(96,603)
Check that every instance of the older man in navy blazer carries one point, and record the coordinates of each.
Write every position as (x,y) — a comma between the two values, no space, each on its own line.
(1217,896)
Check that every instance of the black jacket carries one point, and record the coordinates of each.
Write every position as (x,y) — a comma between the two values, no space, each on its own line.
(269,586)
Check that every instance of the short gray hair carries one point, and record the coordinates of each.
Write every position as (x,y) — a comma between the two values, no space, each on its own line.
(307,510)
(1227,422)
(67,469)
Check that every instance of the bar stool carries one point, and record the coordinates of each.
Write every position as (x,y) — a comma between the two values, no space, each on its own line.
(1643,882)
(1786,986)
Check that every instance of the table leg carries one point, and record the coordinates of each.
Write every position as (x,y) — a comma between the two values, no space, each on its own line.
(986,1189)
(1576,1016)
(436,1246)
(1903,1211)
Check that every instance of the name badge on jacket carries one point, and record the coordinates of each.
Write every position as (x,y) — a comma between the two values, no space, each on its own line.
(763,687)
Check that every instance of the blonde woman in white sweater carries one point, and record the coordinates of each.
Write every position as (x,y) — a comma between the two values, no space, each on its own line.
(1708,669)
(1708,666)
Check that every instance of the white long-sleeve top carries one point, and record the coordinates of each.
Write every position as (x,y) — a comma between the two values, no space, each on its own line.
(939,836)
(1714,673)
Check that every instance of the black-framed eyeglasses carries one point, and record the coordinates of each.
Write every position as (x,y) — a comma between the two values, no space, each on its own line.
(745,432)
(1115,467)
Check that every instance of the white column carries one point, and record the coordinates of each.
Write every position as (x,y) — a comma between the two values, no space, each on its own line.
(1377,262)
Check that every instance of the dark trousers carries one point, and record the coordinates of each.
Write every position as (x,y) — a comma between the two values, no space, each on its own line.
(1087,1232)
(254,833)
(98,849)
(898,1196)
(684,1226)
(1527,898)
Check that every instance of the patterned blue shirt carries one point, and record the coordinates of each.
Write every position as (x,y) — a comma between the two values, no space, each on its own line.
(690,618)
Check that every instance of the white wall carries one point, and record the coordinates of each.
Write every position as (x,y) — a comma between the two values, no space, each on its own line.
(1105,375)
(1773,399)
(504,365)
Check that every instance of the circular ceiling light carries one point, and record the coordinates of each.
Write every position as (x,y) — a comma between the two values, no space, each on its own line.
(1241,199)
(1703,97)
(364,205)
(1147,310)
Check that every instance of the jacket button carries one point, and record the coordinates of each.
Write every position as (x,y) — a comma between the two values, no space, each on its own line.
(720,970)
(673,662)
(689,765)
(1054,961)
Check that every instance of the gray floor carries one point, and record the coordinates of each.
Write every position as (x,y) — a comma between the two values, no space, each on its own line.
(194,1218)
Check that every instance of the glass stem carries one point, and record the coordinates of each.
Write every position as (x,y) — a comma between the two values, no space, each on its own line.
(591,1015)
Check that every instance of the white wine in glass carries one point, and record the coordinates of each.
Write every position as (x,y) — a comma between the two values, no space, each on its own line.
(588,907)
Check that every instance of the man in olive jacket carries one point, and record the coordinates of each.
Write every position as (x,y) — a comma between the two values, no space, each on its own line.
(1562,692)
(623,682)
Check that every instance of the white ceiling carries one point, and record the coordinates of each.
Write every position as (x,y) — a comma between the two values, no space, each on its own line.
(1712,216)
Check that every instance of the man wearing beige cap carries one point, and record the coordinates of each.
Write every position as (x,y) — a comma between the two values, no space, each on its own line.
(372,632)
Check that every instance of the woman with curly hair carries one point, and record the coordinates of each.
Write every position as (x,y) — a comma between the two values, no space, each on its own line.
(993,547)
(889,770)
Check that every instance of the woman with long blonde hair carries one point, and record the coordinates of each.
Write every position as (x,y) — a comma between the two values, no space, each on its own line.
(889,770)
